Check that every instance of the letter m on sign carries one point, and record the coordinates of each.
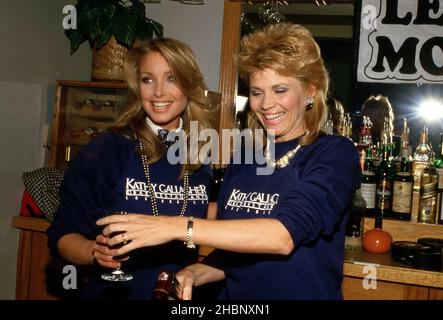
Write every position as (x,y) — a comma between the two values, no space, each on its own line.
(406,54)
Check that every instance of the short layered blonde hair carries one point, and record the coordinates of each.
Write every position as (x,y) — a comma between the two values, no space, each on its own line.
(291,51)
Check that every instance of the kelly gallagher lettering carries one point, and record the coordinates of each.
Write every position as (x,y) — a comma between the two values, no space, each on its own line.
(259,202)
(168,192)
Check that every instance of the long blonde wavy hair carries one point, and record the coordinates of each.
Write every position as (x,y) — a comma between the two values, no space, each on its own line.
(291,51)
(189,79)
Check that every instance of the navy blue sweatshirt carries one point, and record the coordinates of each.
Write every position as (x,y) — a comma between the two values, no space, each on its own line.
(311,198)
(107,176)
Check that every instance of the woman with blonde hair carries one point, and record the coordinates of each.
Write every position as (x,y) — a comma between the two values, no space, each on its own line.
(128,169)
(281,235)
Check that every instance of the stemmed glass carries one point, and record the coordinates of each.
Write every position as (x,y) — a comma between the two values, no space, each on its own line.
(117,274)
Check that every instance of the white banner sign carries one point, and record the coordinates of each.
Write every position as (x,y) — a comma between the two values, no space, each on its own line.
(401,41)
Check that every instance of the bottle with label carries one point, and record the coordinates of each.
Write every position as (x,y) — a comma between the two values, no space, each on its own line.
(384,186)
(402,192)
(438,165)
(427,207)
(369,186)
(405,148)
(439,206)
(166,287)
(423,151)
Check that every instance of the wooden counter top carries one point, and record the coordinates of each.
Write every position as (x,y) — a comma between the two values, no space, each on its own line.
(389,270)
(355,261)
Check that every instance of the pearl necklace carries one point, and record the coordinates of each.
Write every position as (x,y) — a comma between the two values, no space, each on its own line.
(151,188)
(283,161)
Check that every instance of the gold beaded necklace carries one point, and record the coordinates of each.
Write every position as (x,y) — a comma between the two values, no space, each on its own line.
(284,160)
(151,191)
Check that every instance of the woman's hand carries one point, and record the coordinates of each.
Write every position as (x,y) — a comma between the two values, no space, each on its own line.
(140,230)
(187,280)
(104,255)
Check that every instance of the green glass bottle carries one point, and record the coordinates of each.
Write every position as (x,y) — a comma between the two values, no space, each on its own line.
(402,192)
(438,165)
(369,186)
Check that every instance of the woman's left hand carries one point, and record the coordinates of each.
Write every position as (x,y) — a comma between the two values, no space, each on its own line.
(139,230)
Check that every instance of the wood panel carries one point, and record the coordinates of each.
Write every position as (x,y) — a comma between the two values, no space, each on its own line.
(32,260)
(406,230)
(95,84)
(353,289)
(40,258)
(228,71)
(30,223)
(436,294)
(389,270)
(23,263)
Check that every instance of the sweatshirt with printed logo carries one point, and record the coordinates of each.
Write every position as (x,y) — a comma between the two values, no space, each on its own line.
(107,176)
(311,198)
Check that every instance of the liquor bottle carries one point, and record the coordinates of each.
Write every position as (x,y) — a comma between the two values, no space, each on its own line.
(423,151)
(405,148)
(402,192)
(384,186)
(378,155)
(354,226)
(377,240)
(427,207)
(166,287)
(349,126)
(439,218)
(363,131)
(328,126)
(438,161)
(438,165)
(369,186)
(368,132)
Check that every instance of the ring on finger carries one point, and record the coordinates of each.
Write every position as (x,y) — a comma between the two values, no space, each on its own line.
(124,238)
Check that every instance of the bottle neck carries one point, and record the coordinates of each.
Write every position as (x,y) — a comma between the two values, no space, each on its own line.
(378,224)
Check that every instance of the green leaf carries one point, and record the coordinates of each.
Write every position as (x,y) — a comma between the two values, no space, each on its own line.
(124,27)
(138,10)
(103,38)
(144,31)
(157,27)
(99,20)
(75,38)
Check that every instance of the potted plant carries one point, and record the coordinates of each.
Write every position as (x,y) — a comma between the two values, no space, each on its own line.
(111,27)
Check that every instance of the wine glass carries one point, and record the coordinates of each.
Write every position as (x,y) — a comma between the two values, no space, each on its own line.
(117,274)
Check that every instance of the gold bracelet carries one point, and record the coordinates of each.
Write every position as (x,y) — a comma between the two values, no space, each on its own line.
(190,234)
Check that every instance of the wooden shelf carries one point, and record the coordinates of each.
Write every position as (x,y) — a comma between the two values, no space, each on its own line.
(95,84)
(29,223)
(407,230)
(389,270)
